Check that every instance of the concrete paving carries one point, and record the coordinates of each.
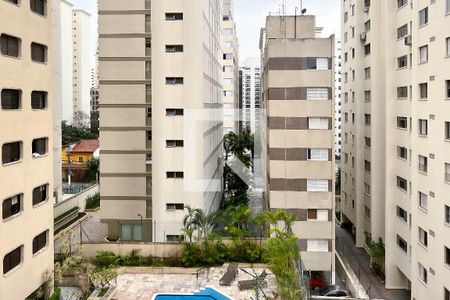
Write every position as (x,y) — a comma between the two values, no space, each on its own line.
(360,263)
(144,286)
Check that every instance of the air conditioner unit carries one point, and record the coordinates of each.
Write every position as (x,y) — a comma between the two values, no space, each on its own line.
(363,36)
(366,9)
(408,40)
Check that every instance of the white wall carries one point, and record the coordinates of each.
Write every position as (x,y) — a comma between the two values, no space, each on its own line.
(66,60)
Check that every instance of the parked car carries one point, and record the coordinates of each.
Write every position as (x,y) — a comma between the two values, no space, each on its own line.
(333,291)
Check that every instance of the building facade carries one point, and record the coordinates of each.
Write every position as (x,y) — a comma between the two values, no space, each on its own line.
(26,139)
(230,46)
(251,94)
(395,156)
(298,97)
(160,76)
(81,37)
(338,101)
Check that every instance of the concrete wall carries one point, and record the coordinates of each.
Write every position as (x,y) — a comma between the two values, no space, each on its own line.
(78,200)
(148,249)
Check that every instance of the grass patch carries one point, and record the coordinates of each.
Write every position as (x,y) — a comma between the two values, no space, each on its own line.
(56,294)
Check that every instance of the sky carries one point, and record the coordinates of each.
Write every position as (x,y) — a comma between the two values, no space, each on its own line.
(250,17)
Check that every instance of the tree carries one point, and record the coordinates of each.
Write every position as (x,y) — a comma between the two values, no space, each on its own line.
(93,169)
(71,134)
(81,120)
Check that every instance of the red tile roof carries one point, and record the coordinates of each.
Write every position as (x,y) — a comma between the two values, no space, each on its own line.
(86,146)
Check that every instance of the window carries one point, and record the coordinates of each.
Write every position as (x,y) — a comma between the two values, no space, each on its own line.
(174,80)
(402,183)
(172,237)
(11,152)
(38,52)
(447,292)
(402,214)
(447,214)
(40,241)
(402,243)
(174,16)
(318,215)
(12,206)
(38,100)
(38,6)
(423,274)
(367,26)
(423,163)
(423,16)
(39,147)
(174,206)
(227,56)
(174,143)
(367,73)
(367,49)
(401,3)
(367,211)
(367,96)
(345,17)
(353,9)
(402,61)
(10,45)
(174,174)
(447,130)
(367,142)
(448,12)
(174,48)
(149,135)
(174,112)
(402,122)
(367,188)
(402,92)
(447,89)
(12,259)
(317,64)
(423,54)
(317,245)
(11,99)
(40,194)
(447,172)
(402,31)
(13,1)
(317,185)
(423,201)
(318,123)
(402,152)
(423,127)
(148,43)
(423,237)
(447,40)
(317,93)
(447,256)
(367,119)
(318,154)
(423,90)
(367,165)
(131,232)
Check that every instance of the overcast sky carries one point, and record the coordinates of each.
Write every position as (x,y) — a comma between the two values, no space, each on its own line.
(250,17)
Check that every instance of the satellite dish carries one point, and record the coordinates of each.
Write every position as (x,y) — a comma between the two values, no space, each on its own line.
(303,11)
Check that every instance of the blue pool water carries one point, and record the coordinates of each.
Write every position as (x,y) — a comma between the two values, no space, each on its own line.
(206,294)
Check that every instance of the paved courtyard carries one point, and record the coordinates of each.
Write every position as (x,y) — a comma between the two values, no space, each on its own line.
(144,286)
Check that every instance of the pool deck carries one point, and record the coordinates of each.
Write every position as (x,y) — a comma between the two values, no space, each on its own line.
(143,286)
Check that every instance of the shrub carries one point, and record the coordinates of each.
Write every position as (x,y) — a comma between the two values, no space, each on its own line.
(93,202)
(104,259)
(56,294)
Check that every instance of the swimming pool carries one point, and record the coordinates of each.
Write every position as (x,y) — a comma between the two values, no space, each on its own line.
(203,294)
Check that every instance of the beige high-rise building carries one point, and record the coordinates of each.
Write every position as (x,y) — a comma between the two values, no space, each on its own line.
(230,46)
(395,135)
(26,139)
(298,96)
(160,85)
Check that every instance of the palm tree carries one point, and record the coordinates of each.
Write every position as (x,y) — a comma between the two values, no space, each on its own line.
(198,221)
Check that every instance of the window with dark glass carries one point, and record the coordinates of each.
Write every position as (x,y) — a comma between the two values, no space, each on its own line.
(367,49)
(39,147)
(423,16)
(174,16)
(402,92)
(401,3)
(174,48)
(447,89)
(174,174)
(38,6)
(402,152)
(402,61)
(40,241)
(174,112)
(174,143)
(174,80)
(402,243)
(11,152)
(402,183)
(174,206)
(9,45)
(11,99)
(402,31)
(38,100)
(13,1)
(40,194)
(423,89)
(423,127)
(402,214)
(38,52)
(12,206)
(402,122)
(12,259)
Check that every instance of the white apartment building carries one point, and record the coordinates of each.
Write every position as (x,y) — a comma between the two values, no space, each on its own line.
(338,100)
(251,93)
(26,139)
(81,63)
(396,137)
(160,129)
(230,46)
(66,48)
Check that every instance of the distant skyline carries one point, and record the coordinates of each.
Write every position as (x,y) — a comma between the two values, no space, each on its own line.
(250,16)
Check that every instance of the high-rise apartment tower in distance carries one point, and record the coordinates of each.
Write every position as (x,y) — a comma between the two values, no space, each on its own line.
(251,93)
(338,100)
(298,96)
(396,137)
(160,132)
(230,46)
(26,139)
